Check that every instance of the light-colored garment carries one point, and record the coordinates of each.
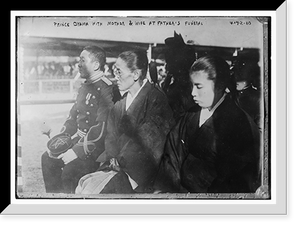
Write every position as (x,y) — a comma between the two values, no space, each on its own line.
(93,183)
(204,115)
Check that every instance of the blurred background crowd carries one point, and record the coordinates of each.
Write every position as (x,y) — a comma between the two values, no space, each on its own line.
(50,70)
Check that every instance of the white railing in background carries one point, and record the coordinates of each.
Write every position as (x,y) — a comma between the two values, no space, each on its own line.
(48,86)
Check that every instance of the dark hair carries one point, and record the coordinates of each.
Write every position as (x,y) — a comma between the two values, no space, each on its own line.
(136,60)
(218,71)
(97,54)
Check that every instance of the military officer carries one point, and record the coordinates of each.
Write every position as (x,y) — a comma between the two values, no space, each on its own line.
(86,125)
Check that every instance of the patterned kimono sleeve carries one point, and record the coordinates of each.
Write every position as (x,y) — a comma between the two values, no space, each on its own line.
(70,125)
(143,140)
(152,131)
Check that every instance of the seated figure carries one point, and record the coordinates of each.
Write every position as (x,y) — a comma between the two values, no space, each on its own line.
(136,132)
(215,147)
(82,136)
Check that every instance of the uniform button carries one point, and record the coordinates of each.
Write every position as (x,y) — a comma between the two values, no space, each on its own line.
(86,121)
(88,113)
(98,88)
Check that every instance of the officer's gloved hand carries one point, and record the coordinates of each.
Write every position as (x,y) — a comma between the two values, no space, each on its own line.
(68,156)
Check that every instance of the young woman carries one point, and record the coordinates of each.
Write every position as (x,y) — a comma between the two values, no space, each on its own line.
(136,132)
(215,147)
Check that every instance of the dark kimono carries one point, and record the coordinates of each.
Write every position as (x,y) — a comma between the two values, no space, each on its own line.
(136,138)
(222,156)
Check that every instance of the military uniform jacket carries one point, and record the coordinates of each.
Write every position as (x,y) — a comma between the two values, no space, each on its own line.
(136,137)
(221,156)
(88,116)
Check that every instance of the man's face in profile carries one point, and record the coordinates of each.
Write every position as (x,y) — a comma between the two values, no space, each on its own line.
(86,64)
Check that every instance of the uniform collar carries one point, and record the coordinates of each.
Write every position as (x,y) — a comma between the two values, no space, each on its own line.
(95,77)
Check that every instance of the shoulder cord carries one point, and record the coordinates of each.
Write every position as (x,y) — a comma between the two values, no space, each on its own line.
(87,143)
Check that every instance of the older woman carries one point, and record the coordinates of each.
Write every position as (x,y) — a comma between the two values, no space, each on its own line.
(136,132)
(215,147)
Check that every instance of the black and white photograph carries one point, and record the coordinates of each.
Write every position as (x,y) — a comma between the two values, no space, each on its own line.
(141,107)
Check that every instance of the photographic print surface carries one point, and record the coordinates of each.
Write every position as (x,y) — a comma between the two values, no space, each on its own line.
(223,153)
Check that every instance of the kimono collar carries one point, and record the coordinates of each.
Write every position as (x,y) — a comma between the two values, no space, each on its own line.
(138,101)
(129,98)
(218,103)
(206,114)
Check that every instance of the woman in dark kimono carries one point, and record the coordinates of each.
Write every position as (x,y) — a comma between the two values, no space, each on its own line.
(136,132)
(215,147)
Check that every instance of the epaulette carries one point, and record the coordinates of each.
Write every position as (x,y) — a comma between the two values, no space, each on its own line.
(106,80)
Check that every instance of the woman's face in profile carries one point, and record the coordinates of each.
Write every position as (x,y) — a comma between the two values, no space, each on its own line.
(203,89)
(123,75)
